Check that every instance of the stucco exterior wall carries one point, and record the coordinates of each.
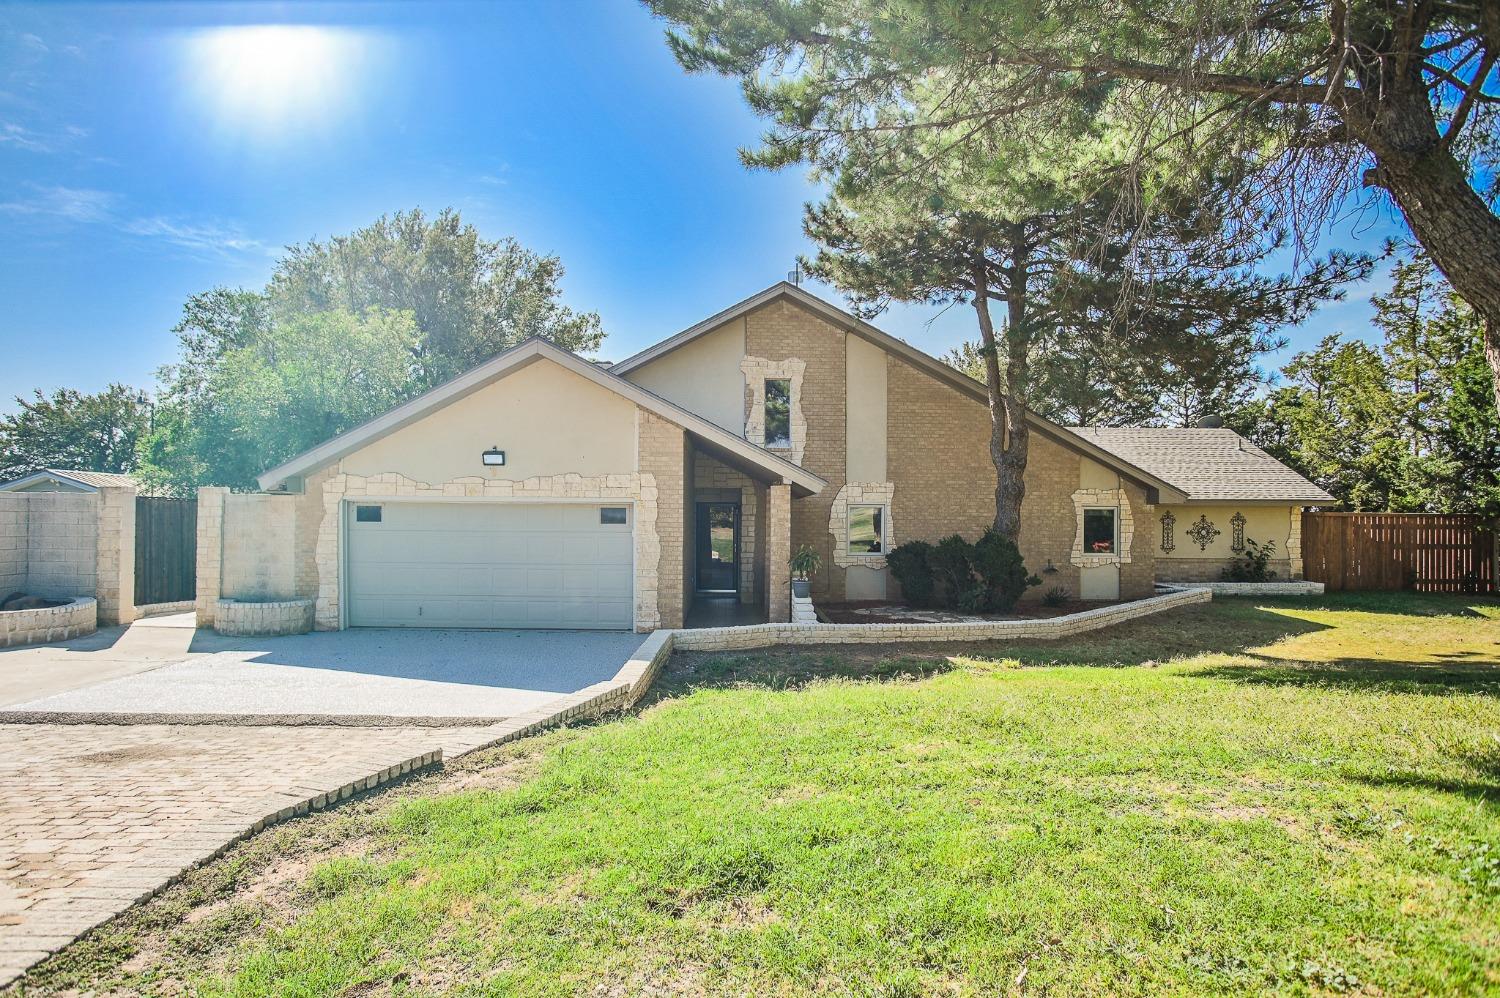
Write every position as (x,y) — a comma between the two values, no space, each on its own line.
(866,391)
(782,331)
(548,420)
(702,376)
(1190,561)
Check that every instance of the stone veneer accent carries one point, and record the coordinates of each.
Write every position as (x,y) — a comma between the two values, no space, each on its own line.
(73,619)
(779,553)
(757,370)
(1294,546)
(861,494)
(1294,588)
(640,487)
(1116,498)
(115,589)
(243,619)
(210,551)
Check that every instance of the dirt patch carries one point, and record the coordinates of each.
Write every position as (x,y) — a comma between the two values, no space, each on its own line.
(132,753)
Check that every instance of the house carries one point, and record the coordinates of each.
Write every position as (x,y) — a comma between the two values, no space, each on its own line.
(544,490)
(63,480)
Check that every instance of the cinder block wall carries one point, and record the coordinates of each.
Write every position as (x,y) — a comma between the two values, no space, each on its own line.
(49,543)
(13,518)
(258,560)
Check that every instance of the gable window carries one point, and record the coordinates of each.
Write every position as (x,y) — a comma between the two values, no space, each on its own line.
(1099,531)
(778,412)
(866,529)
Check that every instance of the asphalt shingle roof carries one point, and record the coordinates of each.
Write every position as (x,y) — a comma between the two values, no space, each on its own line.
(1207,464)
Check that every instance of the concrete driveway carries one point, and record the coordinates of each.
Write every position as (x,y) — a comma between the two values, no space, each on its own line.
(161,669)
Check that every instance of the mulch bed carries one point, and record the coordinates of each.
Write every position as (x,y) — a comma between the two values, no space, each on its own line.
(876,612)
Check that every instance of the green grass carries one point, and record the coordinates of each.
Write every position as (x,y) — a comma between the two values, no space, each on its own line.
(1291,796)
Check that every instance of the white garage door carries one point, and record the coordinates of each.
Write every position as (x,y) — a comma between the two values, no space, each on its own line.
(462,564)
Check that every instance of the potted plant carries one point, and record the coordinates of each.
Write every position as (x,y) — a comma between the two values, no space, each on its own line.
(805,564)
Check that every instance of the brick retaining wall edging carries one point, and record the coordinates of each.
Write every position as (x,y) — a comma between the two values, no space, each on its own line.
(249,619)
(73,619)
(1290,588)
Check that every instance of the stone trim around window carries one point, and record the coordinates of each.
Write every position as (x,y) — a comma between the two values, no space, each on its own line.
(637,486)
(1115,498)
(757,370)
(860,494)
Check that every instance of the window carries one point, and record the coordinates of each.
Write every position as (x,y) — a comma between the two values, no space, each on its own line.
(367,514)
(778,412)
(612,514)
(1098,531)
(866,529)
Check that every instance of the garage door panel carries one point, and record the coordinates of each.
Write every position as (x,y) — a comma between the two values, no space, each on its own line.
(498,565)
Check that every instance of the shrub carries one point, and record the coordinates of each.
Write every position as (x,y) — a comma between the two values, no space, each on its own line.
(805,563)
(952,569)
(975,578)
(997,560)
(1056,596)
(909,564)
(1251,566)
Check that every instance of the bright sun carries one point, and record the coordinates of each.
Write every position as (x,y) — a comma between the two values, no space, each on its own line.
(260,78)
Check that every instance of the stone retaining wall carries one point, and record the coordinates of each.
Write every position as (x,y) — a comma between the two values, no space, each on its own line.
(57,623)
(263,619)
(1296,588)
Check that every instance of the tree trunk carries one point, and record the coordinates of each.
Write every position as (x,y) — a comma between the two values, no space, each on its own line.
(1009,434)
(1451,221)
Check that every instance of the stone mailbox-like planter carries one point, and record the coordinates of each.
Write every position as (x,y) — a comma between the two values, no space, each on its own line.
(248,619)
(73,619)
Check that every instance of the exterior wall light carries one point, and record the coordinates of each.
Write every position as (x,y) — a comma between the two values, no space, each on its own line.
(494,458)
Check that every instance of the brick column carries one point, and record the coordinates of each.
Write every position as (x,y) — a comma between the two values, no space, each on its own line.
(210,550)
(115,547)
(779,552)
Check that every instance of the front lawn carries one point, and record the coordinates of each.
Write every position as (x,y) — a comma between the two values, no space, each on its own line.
(1300,796)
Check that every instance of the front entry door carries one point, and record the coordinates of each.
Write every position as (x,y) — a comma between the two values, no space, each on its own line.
(718,547)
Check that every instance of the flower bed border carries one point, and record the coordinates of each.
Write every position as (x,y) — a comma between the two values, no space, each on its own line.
(74,619)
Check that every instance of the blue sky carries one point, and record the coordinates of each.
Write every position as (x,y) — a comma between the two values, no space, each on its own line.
(141,161)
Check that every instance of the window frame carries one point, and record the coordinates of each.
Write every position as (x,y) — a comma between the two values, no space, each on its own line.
(883,517)
(1114,540)
(784,443)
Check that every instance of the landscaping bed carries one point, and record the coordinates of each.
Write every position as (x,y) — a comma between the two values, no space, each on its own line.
(889,612)
(1294,796)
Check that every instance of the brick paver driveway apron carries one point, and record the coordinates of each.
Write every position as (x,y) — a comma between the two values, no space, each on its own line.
(94,817)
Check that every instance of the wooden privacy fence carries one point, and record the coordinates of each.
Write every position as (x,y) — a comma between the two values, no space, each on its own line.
(166,550)
(1437,553)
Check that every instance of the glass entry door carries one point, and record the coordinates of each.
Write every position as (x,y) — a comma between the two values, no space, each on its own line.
(718,547)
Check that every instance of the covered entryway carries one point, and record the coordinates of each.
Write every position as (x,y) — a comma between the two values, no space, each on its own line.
(490,564)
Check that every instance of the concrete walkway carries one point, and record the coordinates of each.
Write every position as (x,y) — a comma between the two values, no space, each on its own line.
(162,670)
(35,671)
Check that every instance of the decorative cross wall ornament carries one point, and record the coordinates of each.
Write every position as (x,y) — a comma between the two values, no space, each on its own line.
(1168,522)
(1203,532)
(1237,533)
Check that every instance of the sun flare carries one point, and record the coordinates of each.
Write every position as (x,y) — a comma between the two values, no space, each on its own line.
(273,76)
